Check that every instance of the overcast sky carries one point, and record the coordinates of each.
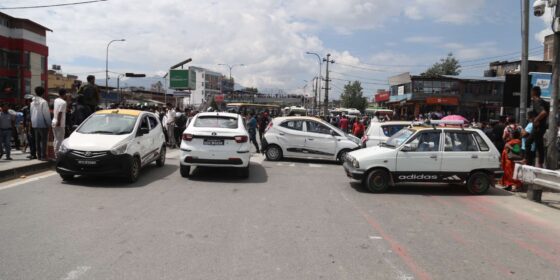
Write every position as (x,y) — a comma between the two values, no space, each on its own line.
(369,40)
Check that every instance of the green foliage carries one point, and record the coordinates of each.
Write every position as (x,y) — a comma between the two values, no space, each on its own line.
(446,66)
(352,97)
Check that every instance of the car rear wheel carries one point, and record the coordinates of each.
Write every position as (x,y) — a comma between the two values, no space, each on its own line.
(160,162)
(66,177)
(479,183)
(273,153)
(185,171)
(134,170)
(377,181)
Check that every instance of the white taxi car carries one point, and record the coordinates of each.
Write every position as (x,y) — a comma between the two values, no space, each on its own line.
(378,132)
(216,139)
(306,137)
(113,142)
(428,153)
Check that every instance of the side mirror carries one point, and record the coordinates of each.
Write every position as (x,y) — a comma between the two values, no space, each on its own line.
(407,148)
(143,130)
(333,133)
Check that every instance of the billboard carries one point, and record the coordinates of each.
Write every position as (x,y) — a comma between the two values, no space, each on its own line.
(179,79)
(544,81)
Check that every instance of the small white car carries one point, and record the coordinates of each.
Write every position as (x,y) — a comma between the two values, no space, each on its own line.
(113,142)
(216,139)
(378,132)
(428,154)
(306,137)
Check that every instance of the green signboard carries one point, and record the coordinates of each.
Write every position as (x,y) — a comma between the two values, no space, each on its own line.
(179,79)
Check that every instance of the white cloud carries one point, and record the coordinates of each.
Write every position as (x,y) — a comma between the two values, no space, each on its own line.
(423,39)
(448,11)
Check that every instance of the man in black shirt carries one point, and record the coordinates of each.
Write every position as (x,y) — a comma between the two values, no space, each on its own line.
(540,124)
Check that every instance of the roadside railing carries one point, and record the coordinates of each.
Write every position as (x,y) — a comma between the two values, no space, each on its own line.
(537,179)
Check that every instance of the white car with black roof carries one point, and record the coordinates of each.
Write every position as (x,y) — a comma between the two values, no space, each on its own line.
(428,153)
(215,139)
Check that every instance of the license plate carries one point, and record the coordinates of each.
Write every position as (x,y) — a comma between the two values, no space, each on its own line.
(87,162)
(213,142)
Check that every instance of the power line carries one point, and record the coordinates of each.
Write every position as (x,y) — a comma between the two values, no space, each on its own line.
(52,5)
(368,83)
(357,77)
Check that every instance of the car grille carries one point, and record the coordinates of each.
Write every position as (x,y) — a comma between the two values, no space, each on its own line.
(84,154)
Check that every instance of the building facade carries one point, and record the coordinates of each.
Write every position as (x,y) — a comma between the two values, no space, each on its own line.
(23,58)
(473,97)
(208,85)
(548,48)
(58,81)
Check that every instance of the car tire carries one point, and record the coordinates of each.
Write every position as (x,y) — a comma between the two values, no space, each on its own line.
(160,162)
(378,181)
(134,170)
(244,172)
(185,171)
(273,153)
(342,156)
(67,177)
(479,183)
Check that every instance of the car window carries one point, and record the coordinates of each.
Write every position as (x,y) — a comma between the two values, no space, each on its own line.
(108,124)
(315,127)
(460,142)
(390,130)
(481,143)
(153,122)
(425,142)
(398,138)
(294,125)
(217,122)
(144,123)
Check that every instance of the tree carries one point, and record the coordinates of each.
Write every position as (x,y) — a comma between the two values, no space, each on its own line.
(446,66)
(352,97)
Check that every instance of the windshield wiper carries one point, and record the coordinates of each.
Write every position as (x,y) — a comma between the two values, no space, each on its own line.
(101,132)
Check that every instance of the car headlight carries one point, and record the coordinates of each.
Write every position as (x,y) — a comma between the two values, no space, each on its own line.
(119,150)
(63,147)
(355,163)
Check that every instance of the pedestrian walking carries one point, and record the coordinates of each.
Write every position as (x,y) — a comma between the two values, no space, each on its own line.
(343,124)
(358,129)
(40,121)
(7,124)
(263,124)
(540,124)
(28,128)
(252,128)
(90,93)
(59,120)
(170,118)
(510,155)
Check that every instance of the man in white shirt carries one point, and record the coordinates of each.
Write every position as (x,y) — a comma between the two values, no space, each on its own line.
(59,120)
(40,122)
(170,124)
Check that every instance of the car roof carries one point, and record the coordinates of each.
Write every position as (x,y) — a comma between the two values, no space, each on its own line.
(127,112)
(393,123)
(223,114)
(281,119)
(457,128)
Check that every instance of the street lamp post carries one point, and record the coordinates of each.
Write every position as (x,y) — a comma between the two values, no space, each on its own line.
(318,87)
(107,64)
(230,67)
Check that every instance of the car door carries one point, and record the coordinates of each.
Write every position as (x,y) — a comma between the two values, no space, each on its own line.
(422,161)
(291,137)
(461,154)
(143,140)
(319,141)
(155,131)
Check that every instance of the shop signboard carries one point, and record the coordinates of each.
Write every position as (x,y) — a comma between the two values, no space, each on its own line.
(542,80)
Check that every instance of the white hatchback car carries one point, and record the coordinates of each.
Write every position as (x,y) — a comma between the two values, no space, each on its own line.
(113,142)
(216,139)
(378,132)
(306,137)
(428,154)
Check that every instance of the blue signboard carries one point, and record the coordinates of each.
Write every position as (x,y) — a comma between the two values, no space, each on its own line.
(542,80)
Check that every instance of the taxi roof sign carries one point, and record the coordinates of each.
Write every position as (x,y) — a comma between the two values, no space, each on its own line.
(120,112)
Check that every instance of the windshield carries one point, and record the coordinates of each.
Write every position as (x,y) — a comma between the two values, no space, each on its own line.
(398,138)
(108,124)
(216,122)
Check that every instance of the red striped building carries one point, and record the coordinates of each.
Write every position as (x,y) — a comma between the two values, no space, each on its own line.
(23,58)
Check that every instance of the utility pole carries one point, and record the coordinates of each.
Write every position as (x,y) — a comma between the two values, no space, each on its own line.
(552,152)
(328,61)
(524,63)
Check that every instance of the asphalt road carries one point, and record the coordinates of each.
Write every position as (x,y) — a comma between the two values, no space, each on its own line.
(290,220)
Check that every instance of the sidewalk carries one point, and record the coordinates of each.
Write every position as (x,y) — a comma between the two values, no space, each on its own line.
(20,165)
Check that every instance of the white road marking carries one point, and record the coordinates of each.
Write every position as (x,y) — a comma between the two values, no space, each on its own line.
(76,273)
(286,164)
(315,165)
(375,237)
(19,182)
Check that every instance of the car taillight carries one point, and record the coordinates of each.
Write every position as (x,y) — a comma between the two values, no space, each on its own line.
(187,137)
(241,139)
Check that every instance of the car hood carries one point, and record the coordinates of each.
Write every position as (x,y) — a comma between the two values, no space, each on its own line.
(94,142)
(376,152)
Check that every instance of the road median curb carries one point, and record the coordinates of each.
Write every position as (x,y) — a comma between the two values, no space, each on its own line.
(14,173)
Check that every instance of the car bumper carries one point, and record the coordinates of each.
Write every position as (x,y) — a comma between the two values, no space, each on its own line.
(498,173)
(238,159)
(352,172)
(108,165)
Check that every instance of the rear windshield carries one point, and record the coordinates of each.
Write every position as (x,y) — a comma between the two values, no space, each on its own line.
(216,122)
(390,130)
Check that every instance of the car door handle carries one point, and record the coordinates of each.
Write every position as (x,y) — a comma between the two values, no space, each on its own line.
(474,156)
(310,139)
(282,133)
(433,156)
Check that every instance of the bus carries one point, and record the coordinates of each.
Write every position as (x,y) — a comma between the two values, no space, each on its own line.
(294,111)
(247,108)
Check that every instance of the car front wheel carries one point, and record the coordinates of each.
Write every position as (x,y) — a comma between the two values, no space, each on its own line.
(273,153)
(479,183)
(134,170)
(66,177)
(377,181)
(160,162)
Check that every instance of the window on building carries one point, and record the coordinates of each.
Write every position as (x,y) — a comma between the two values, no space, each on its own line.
(43,64)
(27,86)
